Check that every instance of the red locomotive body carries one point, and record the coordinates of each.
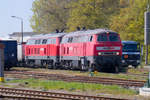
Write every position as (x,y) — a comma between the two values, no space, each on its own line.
(92,49)
(43,50)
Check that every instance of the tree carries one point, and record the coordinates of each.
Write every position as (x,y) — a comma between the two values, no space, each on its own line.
(91,13)
(49,15)
(130,22)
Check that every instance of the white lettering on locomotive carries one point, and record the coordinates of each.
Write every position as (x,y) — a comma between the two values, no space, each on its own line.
(107,48)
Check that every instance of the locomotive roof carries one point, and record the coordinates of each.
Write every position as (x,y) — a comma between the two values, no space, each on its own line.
(54,35)
(47,35)
(86,32)
(129,42)
(76,33)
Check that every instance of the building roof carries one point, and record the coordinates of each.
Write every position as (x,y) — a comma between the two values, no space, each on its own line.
(17,34)
(47,35)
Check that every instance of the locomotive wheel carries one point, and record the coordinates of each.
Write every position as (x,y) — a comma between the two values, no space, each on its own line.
(44,64)
(31,64)
(51,65)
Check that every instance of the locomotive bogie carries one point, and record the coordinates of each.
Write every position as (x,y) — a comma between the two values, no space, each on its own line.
(40,63)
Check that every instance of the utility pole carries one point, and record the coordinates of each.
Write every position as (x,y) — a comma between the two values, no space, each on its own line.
(147,32)
(21,40)
(21,19)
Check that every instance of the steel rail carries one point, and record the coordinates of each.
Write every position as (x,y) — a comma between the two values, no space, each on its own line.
(32,94)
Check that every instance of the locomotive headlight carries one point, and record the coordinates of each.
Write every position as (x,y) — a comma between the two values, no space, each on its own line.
(117,53)
(99,53)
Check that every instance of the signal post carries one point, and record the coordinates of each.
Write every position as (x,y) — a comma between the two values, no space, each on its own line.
(147,33)
(1,63)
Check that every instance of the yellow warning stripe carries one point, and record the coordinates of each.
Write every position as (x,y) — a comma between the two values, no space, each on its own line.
(1,79)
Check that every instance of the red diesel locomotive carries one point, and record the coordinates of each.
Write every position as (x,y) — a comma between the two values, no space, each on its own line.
(91,49)
(43,50)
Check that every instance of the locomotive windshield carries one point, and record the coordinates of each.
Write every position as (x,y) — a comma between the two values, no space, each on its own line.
(109,37)
(113,37)
(131,47)
(102,37)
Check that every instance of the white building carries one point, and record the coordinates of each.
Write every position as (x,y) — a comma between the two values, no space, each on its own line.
(18,36)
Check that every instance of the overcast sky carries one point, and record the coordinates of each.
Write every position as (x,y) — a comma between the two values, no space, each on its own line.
(20,8)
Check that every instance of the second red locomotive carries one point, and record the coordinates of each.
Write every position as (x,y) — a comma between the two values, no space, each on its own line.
(43,50)
(92,49)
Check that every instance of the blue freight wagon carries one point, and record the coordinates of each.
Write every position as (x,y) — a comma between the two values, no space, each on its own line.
(10,53)
(131,53)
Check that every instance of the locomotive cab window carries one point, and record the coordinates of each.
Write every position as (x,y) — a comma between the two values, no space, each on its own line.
(113,37)
(102,37)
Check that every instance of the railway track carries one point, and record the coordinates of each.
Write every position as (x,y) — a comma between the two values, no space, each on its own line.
(84,79)
(38,95)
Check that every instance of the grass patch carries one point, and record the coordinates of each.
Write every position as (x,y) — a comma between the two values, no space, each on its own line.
(71,86)
(138,71)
